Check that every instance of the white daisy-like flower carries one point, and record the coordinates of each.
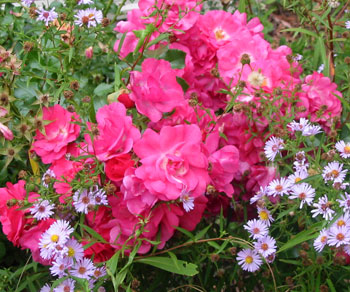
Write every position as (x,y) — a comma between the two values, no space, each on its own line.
(45,288)
(333,3)
(100,272)
(343,148)
(321,241)
(304,192)
(27,3)
(343,220)
(347,24)
(297,176)
(334,171)
(83,269)
(100,197)
(249,260)
(81,2)
(187,201)
(66,286)
(320,68)
(89,17)
(48,177)
(258,195)
(83,201)
(323,207)
(339,236)
(256,228)
(278,187)
(299,126)
(265,216)
(47,15)
(57,235)
(300,165)
(344,202)
(265,246)
(59,267)
(298,57)
(273,147)
(340,185)
(311,130)
(75,250)
(42,210)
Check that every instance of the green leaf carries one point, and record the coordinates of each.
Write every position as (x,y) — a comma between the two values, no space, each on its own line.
(305,235)
(112,263)
(93,233)
(142,34)
(183,83)
(201,233)
(176,58)
(345,132)
(163,36)
(71,52)
(330,285)
(167,264)
(184,231)
(301,30)
(103,89)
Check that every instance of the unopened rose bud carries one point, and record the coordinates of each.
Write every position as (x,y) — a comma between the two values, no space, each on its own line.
(89,53)
(214,257)
(68,94)
(245,59)
(74,85)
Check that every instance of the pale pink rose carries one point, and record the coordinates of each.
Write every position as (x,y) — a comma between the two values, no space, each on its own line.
(117,134)
(59,133)
(89,52)
(6,132)
(172,161)
(155,90)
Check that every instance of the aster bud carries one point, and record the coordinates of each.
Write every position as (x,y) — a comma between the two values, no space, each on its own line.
(105,22)
(210,189)
(233,250)
(32,12)
(4,99)
(86,99)
(345,34)
(172,38)
(71,108)
(245,59)
(27,46)
(214,257)
(135,283)
(215,72)
(220,273)
(74,85)
(11,152)
(324,288)
(320,260)
(38,124)
(68,94)
(22,174)
(347,60)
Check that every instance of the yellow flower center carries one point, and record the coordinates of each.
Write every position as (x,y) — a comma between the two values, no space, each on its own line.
(71,252)
(263,215)
(220,34)
(248,259)
(54,238)
(264,246)
(297,179)
(347,149)
(323,239)
(341,223)
(279,188)
(335,173)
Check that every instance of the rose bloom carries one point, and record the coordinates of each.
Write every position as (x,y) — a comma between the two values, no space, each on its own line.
(116,167)
(155,89)
(116,133)
(173,161)
(58,134)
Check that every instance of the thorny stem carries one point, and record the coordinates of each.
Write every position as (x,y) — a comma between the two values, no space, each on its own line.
(331,48)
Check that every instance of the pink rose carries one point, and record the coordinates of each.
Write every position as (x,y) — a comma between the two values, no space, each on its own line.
(58,134)
(155,90)
(173,161)
(89,52)
(117,134)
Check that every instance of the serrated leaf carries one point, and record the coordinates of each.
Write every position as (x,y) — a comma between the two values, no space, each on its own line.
(167,264)
(176,58)
(183,83)
(103,89)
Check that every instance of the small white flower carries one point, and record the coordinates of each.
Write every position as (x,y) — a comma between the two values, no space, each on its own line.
(347,24)
(100,272)
(59,267)
(89,17)
(47,15)
(299,126)
(83,269)
(83,201)
(334,171)
(297,176)
(298,57)
(278,187)
(265,246)
(321,241)
(249,260)
(256,79)
(42,210)
(66,286)
(311,130)
(259,195)
(187,201)
(273,147)
(304,192)
(265,216)
(256,228)
(81,2)
(345,202)
(45,288)
(343,148)
(47,178)
(323,207)
(339,236)
(321,68)
(343,220)
(100,197)
(74,250)
(27,3)
(333,3)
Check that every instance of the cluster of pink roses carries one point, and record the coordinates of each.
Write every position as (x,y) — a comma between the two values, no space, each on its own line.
(184,162)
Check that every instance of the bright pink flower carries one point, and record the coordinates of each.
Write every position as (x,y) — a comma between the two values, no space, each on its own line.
(12,219)
(117,134)
(320,94)
(224,165)
(155,90)
(138,199)
(172,161)
(58,134)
